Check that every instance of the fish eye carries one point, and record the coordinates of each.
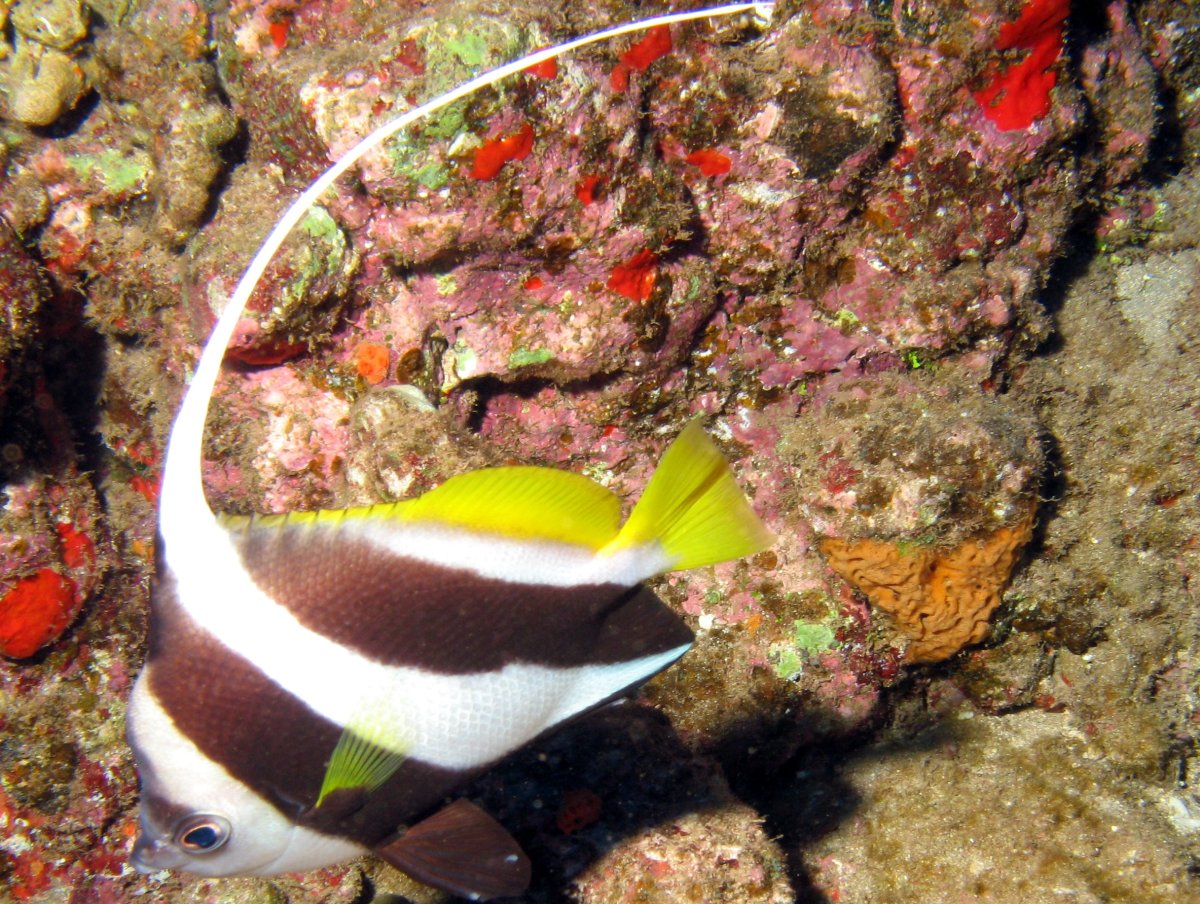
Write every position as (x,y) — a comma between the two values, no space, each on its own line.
(203,833)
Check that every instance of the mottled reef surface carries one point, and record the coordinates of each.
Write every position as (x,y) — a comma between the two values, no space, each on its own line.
(930,272)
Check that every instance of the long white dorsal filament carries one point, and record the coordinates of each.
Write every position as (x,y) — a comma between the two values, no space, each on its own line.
(182,499)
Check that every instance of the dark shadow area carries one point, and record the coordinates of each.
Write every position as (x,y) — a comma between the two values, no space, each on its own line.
(70,120)
(803,803)
(800,799)
(640,773)
(1166,146)
(51,413)
(50,444)
(1053,490)
(72,364)
(807,798)
(1089,23)
(233,154)
(483,390)
(644,776)
(1079,251)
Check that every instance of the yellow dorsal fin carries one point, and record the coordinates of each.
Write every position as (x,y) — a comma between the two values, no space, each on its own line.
(520,502)
(243,523)
(694,508)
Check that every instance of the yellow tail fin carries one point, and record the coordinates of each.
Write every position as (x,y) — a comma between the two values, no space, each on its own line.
(694,508)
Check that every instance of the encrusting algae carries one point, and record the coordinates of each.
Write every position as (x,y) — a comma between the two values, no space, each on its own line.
(940,599)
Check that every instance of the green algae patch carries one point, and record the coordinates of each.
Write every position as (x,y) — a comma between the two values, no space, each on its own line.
(318,223)
(812,637)
(119,174)
(446,284)
(526,357)
(322,227)
(470,49)
(432,175)
(455,49)
(322,263)
(808,639)
(413,157)
(846,321)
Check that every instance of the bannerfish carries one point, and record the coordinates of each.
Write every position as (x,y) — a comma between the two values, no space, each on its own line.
(319,684)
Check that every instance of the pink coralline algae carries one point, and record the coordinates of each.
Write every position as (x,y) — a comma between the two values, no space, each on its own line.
(771,225)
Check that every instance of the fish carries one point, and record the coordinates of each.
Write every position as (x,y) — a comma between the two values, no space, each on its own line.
(320,685)
(317,679)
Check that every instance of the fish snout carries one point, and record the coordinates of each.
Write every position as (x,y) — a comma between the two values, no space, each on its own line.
(151,854)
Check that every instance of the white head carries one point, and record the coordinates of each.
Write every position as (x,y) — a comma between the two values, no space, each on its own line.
(196,817)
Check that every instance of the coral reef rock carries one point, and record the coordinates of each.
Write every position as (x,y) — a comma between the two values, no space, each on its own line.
(928,271)
(922,496)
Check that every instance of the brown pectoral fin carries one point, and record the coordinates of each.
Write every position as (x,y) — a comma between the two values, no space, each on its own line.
(341,804)
(462,850)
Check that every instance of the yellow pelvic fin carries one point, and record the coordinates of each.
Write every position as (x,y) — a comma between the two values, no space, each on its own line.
(368,753)
(694,508)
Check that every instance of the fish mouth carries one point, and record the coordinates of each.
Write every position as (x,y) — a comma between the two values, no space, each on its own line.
(149,855)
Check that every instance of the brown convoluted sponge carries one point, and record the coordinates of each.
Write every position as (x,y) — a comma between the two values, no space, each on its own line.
(940,599)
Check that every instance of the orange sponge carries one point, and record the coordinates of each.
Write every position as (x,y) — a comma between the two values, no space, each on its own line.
(940,599)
